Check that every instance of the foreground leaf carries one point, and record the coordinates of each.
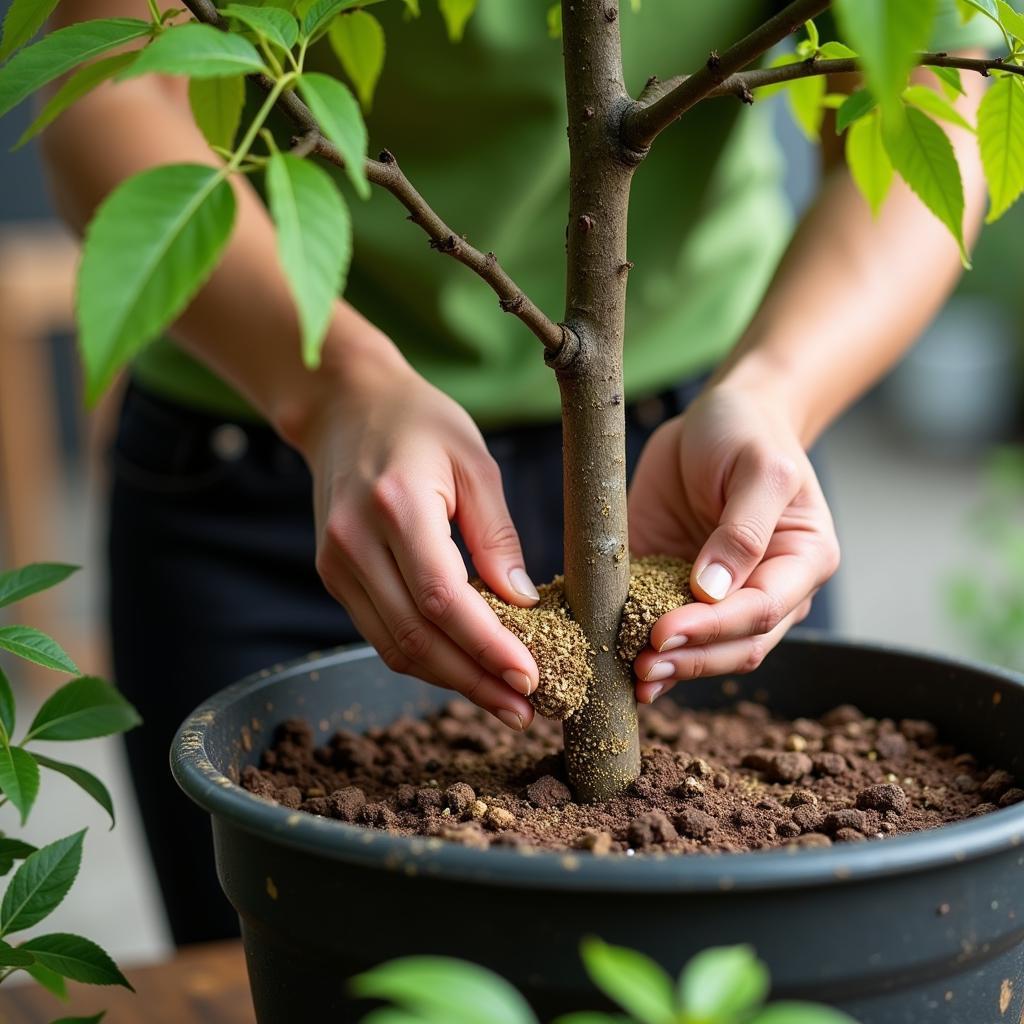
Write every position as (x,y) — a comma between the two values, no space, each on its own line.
(37,647)
(19,778)
(630,979)
(83,709)
(76,958)
(12,850)
(151,245)
(322,13)
(274,24)
(800,1013)
(39,885)
(456,14)
(1001,139)
(217,105)
(17,584)
(24,19)
(199,51)
(868,160)
(337,112)
(723,983)
(85,780)
(7,706)
(53,983)
(358,41)
(61,51)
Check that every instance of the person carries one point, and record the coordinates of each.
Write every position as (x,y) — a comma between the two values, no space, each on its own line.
(432,411)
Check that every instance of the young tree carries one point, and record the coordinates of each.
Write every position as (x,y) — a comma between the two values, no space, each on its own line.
(159,235)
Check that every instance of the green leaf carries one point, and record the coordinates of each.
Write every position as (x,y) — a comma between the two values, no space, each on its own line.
(800,1013)
(936,105)
(813,36)
(199,51)
(12,850)
(1001,139)
(322,13)
(806,101)
(83,81)
(17,584)
(94,1019)
(7,706)
(83,709)
(53,983)
(986,7)
(924,157)
(447,990)
(854,107)
(835,51)
(358,41)
(456,14)
(37,647)
(217,105)
(60,51)
(24,19)
(76,958)
(314,242)
(1011,20)
(887,34)
(277,26)
(950,80)
(868,160)
(630,979)
(11,957)
(153,242)
(86,780)
(555,20)
(19,778)
(39,885)
(723,983)
(337,112)
(966,10)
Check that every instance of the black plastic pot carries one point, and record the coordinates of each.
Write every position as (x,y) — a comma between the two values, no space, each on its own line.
(925,928)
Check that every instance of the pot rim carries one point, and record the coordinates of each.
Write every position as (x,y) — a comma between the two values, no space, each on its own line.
(700,872)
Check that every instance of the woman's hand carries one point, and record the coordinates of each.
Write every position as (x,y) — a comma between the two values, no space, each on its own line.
(394,461)
(728,485)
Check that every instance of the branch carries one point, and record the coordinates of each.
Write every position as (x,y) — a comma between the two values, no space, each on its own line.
(560,342)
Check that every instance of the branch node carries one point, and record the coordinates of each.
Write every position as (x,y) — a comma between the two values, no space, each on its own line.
(746,96)
(616,399)
(449,244)
(610,14)
(568,351)
(714,61)
(513,304)
(625,268)
(490,257)
(586,222)
(588,113)
(386,156)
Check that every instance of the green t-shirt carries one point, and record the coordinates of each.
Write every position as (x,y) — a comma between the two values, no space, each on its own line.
(479,128)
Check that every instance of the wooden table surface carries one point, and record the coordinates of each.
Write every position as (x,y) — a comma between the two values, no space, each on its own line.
(201,985)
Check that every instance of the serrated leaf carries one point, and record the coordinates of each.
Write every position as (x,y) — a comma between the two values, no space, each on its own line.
(60,51)
(11,957)
(7,706)
(950,80)
(314,242)
(869,163)
(337,112)
(800,1013)
(854,107)
(554,18)
(54,984)
(456,14)
(935,105)
(37,647)
(1011,20)
(806,102)
(199,51)
(920,150)
(12,850)
(85,780)
(152,244)
(630,979)
(320,14)
(23,20)
(1001,140)
(277,26)
(723,983)
(217,105)
(358,41)
(835,51)
(82,82)
(39,885)
(74,957)
(17,584)
(19,778)
(83,709)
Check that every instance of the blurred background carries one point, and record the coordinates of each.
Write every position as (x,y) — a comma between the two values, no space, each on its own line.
(925,483)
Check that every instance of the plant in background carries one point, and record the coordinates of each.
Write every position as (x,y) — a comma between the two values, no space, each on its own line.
(158,236)
(82,709)
(725,985)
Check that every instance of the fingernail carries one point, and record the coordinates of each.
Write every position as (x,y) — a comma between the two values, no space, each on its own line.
(654,693)
(519,681)
(715,580)
(659,670)
(672,643)
(511,719)
(522,584)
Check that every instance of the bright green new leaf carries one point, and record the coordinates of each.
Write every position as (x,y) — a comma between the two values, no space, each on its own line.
(456,14)
(55,985)
(806,102)
(723,982)
(869,163)
(1001,138)
(81,710)
(835,51)
(277,26)
(853,108)
(800,1013)
(1011,20)
(887,34)
(24,19)
(217,105)
(12,850)
(923,155)
(199,51)
(37,647)
(454,991)
(813,36)
(83,81)
(19,778)
(314,242)
(337,112)
(358,41)
(630,979)
(17,584)
(85,780)
(152,244)
(950,81)
(936,105)
(555,21)
(39,885)
(11,957)
(60,51)
(7,707)
(76,958)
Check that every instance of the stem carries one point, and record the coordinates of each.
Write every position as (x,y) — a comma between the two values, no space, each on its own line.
(258,121)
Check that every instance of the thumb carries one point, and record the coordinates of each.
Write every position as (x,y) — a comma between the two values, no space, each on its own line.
(757,493)
(492,539)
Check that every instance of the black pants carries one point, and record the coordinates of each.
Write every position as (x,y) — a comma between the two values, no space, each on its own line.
(212,577)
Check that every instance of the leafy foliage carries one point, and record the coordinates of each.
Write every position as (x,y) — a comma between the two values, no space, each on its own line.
(217,105)
(358,41)
(1001,138)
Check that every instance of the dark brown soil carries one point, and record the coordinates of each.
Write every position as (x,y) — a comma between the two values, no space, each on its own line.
(730,780)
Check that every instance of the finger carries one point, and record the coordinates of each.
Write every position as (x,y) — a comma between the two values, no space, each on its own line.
(491,536)
(758,491)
